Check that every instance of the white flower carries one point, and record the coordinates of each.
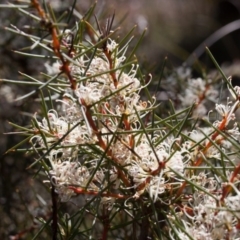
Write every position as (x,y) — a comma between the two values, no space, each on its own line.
(183,72)
(111,45)
(233,204)
(227,112)
(53,69)
(68,173)
(198,91)
(176,163)
(235,91)
(55,128)
(91,93)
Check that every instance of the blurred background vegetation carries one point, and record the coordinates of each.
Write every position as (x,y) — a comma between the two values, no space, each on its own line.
(174,29)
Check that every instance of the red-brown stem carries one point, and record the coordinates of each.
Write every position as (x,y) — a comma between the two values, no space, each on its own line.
(203,95)
(106,223)
(131,141)
(221,127)
(238,224)
(126,122)
(199,160)
(41,12)
(228,188)
(79,190)
(102,144)
(22,233)
(143,185)
(55,43)
(128,128)
(111,66)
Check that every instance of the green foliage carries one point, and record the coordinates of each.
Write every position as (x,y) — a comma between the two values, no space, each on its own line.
(116,164)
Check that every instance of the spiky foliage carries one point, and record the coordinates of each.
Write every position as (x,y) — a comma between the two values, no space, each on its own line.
(102,145)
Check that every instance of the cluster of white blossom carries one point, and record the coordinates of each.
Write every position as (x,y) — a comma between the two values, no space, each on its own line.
(201,93)
(207,217)
(100,143)
(177,171)
(212,211)
(92,114)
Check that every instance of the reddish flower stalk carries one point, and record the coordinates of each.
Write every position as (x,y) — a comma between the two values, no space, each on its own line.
(22,233)
(221,127)
(102,144)
(144,184)
(108,55)
(202,96)
(228,188)
(55,43)
(106,223)
(79,190)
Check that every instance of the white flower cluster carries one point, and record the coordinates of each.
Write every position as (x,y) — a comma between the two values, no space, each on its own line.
(101,142)
(107,101)
(199,92)
(213,212)
(154,175)
(210,218)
